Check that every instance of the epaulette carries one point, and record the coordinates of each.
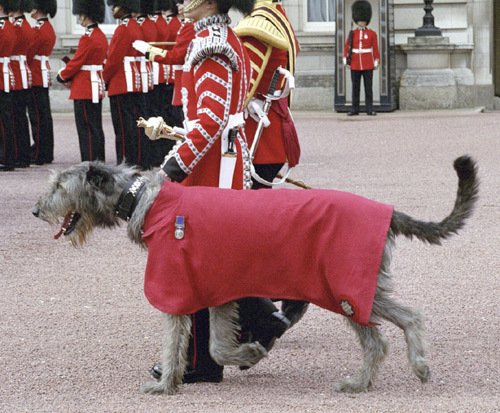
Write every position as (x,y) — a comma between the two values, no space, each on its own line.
(262,29)
(204,47)
(39,23)
(18,22)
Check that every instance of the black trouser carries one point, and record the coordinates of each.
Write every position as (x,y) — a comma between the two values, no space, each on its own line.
(356,89)
(132,145)
(88,117)
(42,128)
(7,156)
(22,147)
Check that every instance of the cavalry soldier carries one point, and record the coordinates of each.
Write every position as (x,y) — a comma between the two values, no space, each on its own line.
(39,111)
(7,41)
(22,75)
(214,151)
(362,56)
(271,43)
(84,73)
(123,79)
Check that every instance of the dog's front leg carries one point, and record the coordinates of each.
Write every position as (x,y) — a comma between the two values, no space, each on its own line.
(174,355)
(224,332)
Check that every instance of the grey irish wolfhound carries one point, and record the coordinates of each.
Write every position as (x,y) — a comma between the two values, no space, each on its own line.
(87,195)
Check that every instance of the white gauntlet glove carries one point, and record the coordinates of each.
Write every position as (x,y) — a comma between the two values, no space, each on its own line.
(141,46)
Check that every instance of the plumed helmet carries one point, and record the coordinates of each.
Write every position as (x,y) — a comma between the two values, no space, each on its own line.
(361,11)
(147,6)
(9,5)
(93,9)
(244,6)
(130,5)
(46,6)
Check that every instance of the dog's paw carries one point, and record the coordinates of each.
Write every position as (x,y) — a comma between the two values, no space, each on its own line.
(154,387)
(252,353)
(422,370)
(351,386)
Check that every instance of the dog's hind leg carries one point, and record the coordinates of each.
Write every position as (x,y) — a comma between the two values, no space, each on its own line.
(174,355)
(374,350)
(410,321)
(224,331)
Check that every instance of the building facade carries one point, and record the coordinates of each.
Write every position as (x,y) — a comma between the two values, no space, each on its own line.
(463,69)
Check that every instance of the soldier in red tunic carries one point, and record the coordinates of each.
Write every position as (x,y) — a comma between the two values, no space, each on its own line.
(44,39)
(271,43)
(21,88)
(84,73)
(362,56)
(215,83)
(7,41)
(123,79)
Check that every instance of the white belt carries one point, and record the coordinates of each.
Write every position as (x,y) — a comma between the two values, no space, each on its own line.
(144,73)
(6,73)
(95,80)
(370,50)
(228,161)
(156,73)
(22,67)
(129,71)
(177,67)
(44,65)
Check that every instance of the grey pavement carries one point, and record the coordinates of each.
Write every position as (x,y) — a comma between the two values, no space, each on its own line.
(77,334)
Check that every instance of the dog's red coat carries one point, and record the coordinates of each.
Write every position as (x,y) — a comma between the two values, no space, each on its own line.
(322,246)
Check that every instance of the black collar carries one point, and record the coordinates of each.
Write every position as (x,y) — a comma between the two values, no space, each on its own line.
(42,19)
(129,197)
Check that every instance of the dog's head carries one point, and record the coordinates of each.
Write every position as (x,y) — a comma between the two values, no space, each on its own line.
(81,198)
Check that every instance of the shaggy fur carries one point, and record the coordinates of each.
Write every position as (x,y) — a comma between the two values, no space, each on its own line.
(92,190)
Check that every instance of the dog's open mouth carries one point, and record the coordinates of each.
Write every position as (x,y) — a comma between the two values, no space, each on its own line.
(69,224)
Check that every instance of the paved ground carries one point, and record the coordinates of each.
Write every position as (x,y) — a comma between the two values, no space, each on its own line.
(77,334)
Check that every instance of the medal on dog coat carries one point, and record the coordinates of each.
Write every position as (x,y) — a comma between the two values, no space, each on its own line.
(208,246)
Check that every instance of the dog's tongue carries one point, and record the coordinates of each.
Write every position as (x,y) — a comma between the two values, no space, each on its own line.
(64,226)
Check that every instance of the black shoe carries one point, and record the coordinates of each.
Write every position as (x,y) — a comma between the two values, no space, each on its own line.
(371,113)
(190,376)
(20,164)
(7,168)
(353,114)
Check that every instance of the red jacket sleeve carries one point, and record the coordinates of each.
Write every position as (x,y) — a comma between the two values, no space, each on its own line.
(74,65)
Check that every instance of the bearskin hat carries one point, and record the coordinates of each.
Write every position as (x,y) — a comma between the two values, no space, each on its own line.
(361,11)
(147,6)
(161,4)
(93,9)
(10,5)
(130,5)
(244,6)
(25,6)
(46,6)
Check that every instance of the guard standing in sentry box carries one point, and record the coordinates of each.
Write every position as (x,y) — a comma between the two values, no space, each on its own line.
(361,55)
(84,73)
(40,115)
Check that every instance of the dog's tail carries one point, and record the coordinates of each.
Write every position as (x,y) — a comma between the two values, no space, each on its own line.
(432,232)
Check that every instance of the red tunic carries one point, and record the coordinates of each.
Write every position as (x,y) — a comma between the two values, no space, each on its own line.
(326,248)
(120,48)
(44,39)
(174,60)
(7,41)
(91,50)
(22,44)
(276,145)
(364,49)
(149,34)
(214,86)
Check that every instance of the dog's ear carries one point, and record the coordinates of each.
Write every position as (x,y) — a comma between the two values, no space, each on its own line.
(100,179)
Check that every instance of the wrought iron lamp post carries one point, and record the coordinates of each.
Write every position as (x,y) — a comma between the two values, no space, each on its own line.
(428,28)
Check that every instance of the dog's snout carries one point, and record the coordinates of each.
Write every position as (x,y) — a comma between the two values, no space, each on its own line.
(36,211)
